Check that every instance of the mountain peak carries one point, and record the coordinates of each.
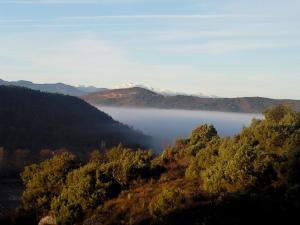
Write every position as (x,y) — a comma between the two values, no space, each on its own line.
(164,92)
(130,85)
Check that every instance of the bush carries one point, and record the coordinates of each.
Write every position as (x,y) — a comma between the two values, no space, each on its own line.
(204,158)
(166,202)
(125,165)
(199,139)
(101,179)
(262,156)
(85,188)
(44,181)
(185,149)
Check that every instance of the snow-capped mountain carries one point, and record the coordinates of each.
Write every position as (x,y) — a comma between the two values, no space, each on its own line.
(130,85)
(165,92)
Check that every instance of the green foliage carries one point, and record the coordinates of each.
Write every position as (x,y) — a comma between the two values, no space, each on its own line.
(96,157)
(206,157)
(166,202)
(258,168)
(199,138)
(125,165)
(70,192)
(187,148)
(283,115)
(99,180)
(202,134)
(258,157)
(45,181)
(85,188)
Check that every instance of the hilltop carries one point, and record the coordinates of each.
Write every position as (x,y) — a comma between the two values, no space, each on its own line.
(141,97)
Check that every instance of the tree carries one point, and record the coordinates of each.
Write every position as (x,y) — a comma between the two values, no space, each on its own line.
(85,188)
(185,149)
(164,203)
(204,158)
(125,165)
(44,181)
(260,156)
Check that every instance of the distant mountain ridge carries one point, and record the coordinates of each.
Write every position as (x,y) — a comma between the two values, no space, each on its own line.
(58,88)
(133,95)
(141,97)
(35,120)
(61,88)
(160,91)
(90,89)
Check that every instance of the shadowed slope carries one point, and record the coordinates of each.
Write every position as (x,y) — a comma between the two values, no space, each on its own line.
(35,120)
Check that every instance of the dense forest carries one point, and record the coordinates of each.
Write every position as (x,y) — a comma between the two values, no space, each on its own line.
(140,97)
(33,124)
(251,178)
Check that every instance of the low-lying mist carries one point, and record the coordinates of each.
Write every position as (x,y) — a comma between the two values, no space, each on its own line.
(166,125)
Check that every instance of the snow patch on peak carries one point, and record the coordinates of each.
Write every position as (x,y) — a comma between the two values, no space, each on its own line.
(164,92)
(129,85)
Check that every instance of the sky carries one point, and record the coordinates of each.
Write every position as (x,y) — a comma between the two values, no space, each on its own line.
(226,48)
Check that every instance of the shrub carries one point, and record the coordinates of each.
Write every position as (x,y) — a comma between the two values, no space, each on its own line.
(198,139)
(125,165)
(85,188)
(185,149)
(45,180)
(166,202)
(261,156)
(204,159)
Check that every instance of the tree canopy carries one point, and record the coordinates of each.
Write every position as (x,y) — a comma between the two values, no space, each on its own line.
(251,178)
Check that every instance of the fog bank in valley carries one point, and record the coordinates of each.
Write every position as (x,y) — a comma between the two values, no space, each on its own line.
(167,125)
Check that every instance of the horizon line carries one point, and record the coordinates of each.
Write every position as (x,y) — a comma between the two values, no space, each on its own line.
(152,89)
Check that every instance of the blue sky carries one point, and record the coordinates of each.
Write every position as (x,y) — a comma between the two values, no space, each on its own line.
(218,47)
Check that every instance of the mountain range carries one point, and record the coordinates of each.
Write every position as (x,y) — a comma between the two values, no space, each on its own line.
(132,95)
(61,88)
(141,97)
(58,88)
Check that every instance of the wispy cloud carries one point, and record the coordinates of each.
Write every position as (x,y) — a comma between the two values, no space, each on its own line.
(155,16)
(57,25)
(167,35)
(65,1)
(223,47)
(80,21)
(121,17)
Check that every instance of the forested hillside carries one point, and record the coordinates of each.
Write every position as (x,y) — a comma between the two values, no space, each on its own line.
(35,120)
(252,178)
(33,123)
